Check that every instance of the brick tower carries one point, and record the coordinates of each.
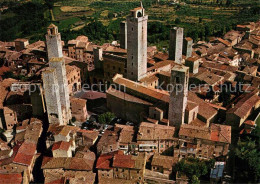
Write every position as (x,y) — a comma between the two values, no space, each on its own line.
(136,44)
(175,47)
(59,65)
(52,96)
(53,42)
(178,95)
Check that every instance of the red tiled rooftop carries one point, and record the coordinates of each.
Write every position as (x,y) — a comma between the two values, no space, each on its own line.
(104,160)
(25,153)
(12,178)
(123,161)
(61,145)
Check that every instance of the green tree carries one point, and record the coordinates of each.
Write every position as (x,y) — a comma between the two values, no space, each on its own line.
(177,21)
(247,159)
(193,168)
(106,118)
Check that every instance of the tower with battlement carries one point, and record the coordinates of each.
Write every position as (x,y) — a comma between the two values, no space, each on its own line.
(178,95)
(53,42)
(136,44)
(52,96)
(176,42)
(59,65)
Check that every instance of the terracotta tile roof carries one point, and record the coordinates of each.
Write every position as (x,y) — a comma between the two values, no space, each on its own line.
(209,77)
(105,160)
(110,137)
(194,132)
(80,177)
(63,130)
(126,134)
(191,105)
(123,161)
(70,163)
(219,66)
(245,105)
(166,162)
(149,79)
(12,178)
(93,135)
(168,74)
(4,69)
(150,131)
(161,56)
(205,110)
(197,122)
(160,65)
(25,153)
(4,89)
(125,96)
(33,131)
(221,133)
(155,93)
(216,132)
(115,181)
(62,145)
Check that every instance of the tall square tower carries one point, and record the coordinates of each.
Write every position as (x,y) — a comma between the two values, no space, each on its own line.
(178,95)
(187,47)
(59,65)
(176,42)
(53,42)
(123,35)
(136,44)
(52,96)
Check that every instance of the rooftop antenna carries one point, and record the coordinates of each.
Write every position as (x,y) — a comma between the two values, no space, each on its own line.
(141,4)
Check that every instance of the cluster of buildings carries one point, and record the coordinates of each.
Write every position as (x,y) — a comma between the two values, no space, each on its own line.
(173,100)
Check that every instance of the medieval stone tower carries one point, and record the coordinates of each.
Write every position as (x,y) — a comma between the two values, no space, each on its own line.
(52,96)
(123,35)
(53,42)
(59,65)
(178,95)
(187,47)
(175,47)
(136,44)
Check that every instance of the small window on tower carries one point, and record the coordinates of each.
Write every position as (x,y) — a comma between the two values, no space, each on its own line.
(132,28)
(177,79)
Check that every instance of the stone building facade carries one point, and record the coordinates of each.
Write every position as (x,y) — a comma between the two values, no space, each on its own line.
(203,142)
(124,167)
(74,79)
(79,109)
